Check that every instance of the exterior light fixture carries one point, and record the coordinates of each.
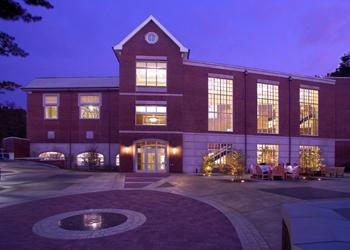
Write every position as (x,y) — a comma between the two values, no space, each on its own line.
(174,151)
(153,119)
(127,149)
(242,181)
(319,179)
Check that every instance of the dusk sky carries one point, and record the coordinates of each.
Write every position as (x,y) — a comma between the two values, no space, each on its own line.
(76,37)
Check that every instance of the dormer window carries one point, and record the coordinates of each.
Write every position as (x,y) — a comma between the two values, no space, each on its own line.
(151,74)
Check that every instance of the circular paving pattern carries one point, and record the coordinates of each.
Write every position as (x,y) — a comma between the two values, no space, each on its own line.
(173,222)
(90,223)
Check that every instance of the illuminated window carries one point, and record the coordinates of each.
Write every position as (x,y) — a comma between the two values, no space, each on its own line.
(219,151)
(150,115)
(51,156)
(219,104)
(89,105)
(51,102)
(267,154)
(309,156)
(151,73)
(308,99)
(90,159)
(267,109)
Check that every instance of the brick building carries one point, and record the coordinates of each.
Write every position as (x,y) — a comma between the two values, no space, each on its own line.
(165,111)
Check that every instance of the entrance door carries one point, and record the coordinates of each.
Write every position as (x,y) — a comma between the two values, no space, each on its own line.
(151,156)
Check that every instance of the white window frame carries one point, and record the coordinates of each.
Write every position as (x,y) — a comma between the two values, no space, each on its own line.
(93,104)
(155,104)
(44,105)
(311,88)
(275,146)
(267,82)
(144,87)
(218,92)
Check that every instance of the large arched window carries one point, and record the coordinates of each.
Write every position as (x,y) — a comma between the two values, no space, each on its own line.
(51,156)
(90,159)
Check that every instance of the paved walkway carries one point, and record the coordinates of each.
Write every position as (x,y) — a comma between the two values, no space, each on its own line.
(136,180)
(253,208)
(173,222)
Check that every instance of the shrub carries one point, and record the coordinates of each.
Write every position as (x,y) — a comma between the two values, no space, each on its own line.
(235,163)
(207,165)
(310,161)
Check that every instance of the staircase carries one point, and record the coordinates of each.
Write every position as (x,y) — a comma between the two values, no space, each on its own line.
(216,157)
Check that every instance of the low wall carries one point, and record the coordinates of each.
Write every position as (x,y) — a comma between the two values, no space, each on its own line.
(19,146)
(316,225)
(57,163)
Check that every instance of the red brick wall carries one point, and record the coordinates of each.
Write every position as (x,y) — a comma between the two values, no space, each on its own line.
(343,108)
(326,108)
(127,157)
(19,146)
(342,112)
(137,46)
(195,100)
(165,47)
(68,125)
(342,153)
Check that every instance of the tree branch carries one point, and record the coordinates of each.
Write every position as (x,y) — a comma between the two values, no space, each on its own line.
(13,11)
(8,46)
(9,86)
(42,3)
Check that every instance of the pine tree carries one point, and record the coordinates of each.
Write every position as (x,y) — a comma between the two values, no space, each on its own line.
(13,11)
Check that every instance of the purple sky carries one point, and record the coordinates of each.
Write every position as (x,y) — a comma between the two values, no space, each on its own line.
(76,37)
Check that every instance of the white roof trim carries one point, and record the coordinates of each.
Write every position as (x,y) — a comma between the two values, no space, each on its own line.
(258,71)
(119,46)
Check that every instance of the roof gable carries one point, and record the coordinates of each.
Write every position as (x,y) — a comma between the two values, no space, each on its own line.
(119,46)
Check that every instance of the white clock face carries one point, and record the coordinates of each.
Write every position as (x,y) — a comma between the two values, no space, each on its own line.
(151,37)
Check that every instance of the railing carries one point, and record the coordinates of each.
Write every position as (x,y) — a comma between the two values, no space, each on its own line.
(305,119)
(220,153)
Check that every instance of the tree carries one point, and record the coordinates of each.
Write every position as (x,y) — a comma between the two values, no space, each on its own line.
(11,10)
(344,67)
(207,165)
(8,85)
(13,121)
(234,165)
(310,160)
(92,158)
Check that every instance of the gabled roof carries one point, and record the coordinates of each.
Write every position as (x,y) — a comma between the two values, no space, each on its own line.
(119,46)
(72,83)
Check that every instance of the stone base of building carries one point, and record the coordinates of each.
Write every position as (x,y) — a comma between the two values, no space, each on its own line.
(195,145)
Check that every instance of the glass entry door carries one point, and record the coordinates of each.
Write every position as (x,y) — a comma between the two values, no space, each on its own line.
(151,156)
